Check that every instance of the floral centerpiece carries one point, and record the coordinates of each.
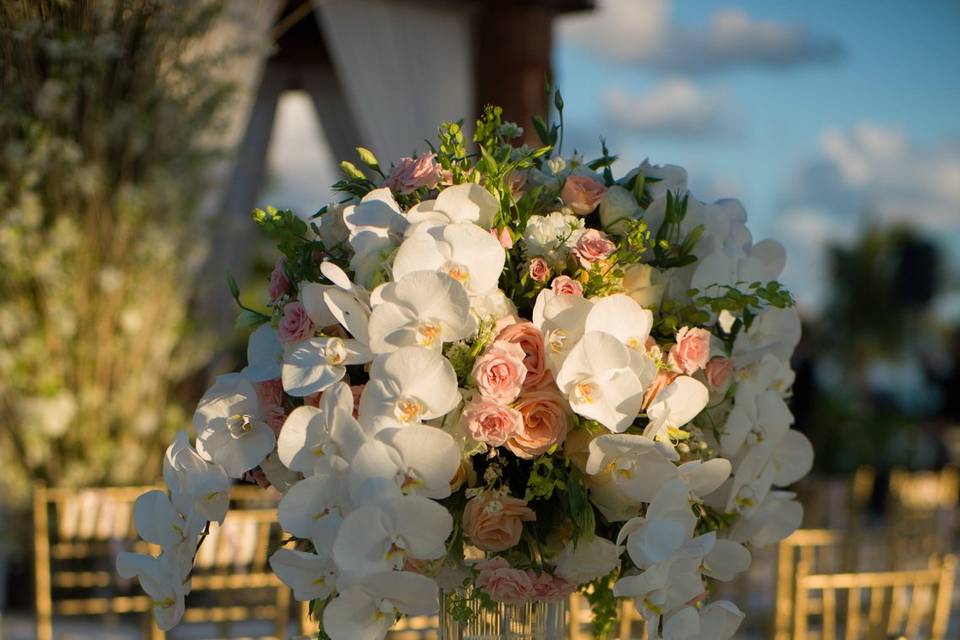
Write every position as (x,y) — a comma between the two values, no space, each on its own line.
(508,373)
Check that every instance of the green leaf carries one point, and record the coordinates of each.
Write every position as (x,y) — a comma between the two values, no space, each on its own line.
(232,285)
(541,128)
(247,319)
(581,511)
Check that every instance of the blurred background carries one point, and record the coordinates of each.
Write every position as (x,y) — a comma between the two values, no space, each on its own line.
(136,136)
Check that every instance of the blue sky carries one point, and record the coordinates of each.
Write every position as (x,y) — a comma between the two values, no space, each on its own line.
(789,94)
(810,112)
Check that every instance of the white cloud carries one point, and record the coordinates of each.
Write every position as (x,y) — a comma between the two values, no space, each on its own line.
(641,32)
(867,173)
(676,107)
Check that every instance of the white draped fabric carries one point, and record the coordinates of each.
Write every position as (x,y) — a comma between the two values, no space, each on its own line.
(405,68)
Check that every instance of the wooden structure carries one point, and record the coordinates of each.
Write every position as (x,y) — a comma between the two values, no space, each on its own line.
(381,74)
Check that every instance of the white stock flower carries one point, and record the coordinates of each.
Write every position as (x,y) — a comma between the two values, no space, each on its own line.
(587,559)
(310,575)
(379,537)
(367,609)
(602,380)
(462,250)
(411,384)
(419,459)
(551,236)
(679,403)
(160,580)
(467,202)
(423,308)
(317,439)
(231,429)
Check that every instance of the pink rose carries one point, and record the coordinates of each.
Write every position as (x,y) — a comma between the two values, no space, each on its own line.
(692,350)
(504,583)
(526,334)
(549,588)
(719,372)
(503,237)
(582,194)
(539,270)
(422,172)
(296,324)
(593,246)
(663,379)
(270,395)
(565,285)
(493,521)
(490,422)
(545,420)
(279,283)
(500,372)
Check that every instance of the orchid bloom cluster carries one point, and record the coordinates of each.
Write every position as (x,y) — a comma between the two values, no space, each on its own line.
(509,375)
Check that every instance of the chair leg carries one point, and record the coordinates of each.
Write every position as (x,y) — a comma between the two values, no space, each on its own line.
(283,610)
(41,546)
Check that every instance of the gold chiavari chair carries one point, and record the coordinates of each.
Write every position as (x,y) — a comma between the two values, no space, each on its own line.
(912,603)
(232,580)
(915,491)
(77,534)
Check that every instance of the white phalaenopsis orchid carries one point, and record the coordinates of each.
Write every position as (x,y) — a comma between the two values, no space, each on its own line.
(774,330)
(314,364)
(604,381)
(561,319)
(379,537)
(376,225)
(419,459)
(264,355)
(313,509)
(315,439)
(310,575)
(623,318)
(585,560)
(230,425)
(366,610)
(679,403)
(160,579)
(637,466)
(756,417)
(463,251)
(157,520)
(423,308)
(774,519)
(460,203)
(199,490)
(668,525)
(717,621)
(411,384)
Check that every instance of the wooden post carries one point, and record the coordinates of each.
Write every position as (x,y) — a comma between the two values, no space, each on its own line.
(41,563)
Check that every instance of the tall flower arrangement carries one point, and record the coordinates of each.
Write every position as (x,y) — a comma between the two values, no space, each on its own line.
(511,374)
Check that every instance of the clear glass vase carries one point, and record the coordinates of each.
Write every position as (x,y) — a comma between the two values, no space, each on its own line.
(530,621)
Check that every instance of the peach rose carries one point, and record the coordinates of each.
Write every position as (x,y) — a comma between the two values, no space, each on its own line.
(504,583)
(719,372)
(295,324)
(422,172)
(493,521)
(279,283)
(545,420)
(528,337)
(593,246)
(490,422)
(692,350)
(539,270)
(500,372)
(582,194)
(663,379)
(565,285)
(270,395)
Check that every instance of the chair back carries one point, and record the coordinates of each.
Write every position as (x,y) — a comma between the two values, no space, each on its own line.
(911,603)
